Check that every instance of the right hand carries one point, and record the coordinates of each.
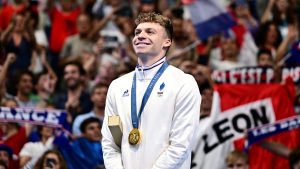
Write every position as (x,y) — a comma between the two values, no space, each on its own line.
(11,58)
(292,33)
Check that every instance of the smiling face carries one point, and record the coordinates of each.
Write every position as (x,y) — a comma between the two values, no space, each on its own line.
(150,40)
(25,85)
(72,76)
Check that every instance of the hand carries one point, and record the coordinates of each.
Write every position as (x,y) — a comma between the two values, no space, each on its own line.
(292,33)
(88,60)
(11,58)
(11,26)
(71,103)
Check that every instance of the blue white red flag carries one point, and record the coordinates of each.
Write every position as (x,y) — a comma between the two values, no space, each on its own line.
(208,17)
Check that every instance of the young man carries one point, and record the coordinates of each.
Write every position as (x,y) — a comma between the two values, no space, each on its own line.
(157,132)
(98,97)
(75,99)
(86,151)
(24,86)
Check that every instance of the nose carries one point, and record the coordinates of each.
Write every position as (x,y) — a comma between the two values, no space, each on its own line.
(141,35)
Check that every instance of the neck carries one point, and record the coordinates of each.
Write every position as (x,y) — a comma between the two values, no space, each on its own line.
(82,35)
(43,94)
(44,139)
(148,60)
(99,111)
(75,90)
(22,97)
(17,33)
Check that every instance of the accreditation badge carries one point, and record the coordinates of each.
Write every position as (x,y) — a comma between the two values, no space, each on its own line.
(134,136)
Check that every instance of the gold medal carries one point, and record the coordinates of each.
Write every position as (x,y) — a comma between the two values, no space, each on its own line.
(134,136)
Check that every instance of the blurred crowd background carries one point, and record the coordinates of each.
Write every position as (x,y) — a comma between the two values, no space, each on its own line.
(63,54)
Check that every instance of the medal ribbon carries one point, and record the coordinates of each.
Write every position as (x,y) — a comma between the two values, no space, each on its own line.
(134,117)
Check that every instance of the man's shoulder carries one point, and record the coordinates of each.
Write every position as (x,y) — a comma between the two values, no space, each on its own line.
(73,38)
(123,79)
(82,117)
(178,75)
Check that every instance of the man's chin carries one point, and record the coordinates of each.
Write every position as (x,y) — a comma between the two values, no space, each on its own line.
(73,86)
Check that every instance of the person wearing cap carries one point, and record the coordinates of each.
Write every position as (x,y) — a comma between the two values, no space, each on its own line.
(157,104)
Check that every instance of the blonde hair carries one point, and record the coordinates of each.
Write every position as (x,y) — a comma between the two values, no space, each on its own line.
(156,18)
(235,156)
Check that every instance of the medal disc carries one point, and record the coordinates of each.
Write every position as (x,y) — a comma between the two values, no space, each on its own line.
(134,136)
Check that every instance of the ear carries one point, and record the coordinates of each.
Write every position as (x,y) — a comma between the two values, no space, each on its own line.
(167,43)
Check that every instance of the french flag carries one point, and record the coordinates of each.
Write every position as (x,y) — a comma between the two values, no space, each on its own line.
(208,17)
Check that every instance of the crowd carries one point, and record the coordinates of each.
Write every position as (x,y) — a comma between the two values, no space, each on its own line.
(63,54)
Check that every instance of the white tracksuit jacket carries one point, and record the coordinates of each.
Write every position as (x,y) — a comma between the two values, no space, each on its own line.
(167,124)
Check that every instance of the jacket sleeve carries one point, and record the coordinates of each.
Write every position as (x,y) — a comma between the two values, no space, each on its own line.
(184,123)
(111,152)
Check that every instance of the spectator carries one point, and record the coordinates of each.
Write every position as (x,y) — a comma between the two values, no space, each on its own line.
(206,103)
(107,73)
(80,42)
(32,151)
(84,152)
(63,22)
(14,135)
(98,97)
(75,99)
(51,159)
(202,76)
(184,34)
(282,13)
(146,6)
(264,58)
(110,10)
(236,159)
(227,57)
(6,154)
(18,39)
(45,84)
(41,42)
(9,10)
(24,87)
(244,17)
(268,37)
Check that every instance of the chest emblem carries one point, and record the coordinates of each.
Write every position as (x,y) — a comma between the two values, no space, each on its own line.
(126,93)
(161,92)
